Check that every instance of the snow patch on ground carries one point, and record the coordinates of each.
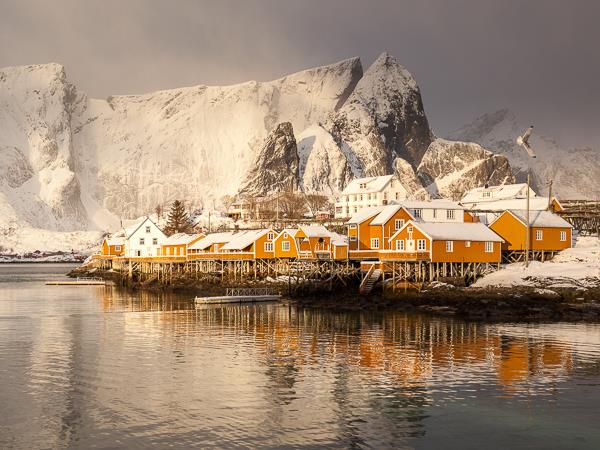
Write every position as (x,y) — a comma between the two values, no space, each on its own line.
(577,267)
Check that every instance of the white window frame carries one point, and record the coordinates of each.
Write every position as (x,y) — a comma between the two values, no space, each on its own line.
(118,247)
(489,247)
(421,248)
(418,213)
(450,214)
(285,246)
(400,245)
(563,236)
(148,229)
(374,242)
(398,224)
(467,244)
(268,246)
(352,226)
(539,235)
(271,236)
(352,238)
(449,246)
(142,241)
(154,241)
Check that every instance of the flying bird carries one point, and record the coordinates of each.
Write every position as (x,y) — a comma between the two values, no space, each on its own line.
(524,141)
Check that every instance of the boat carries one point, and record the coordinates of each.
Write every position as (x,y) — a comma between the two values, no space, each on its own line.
(240,295)
(83,281)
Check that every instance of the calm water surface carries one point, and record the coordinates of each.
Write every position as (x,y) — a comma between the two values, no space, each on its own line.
(97,367)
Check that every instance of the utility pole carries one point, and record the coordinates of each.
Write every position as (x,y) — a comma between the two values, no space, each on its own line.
(550,196)
(528,229)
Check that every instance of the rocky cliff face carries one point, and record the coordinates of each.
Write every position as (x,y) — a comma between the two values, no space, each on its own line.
(276,167)
(449,169)
(574,171)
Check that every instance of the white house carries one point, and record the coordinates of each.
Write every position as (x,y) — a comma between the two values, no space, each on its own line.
(144,239)
(495,193)
(368,192)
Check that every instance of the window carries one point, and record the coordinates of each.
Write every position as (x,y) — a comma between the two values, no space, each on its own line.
(486,194)
(489,247)
(352,238)
(268,246)
(418,213)
(467,244)
(398,223)
(142,241)
(563,236)
(147,228)
(409,229)
(360,197)
(355,209)
(539,235)
(449,246)
(450,214)
(155,241)
(270,236)
(363,185)
(400,244)
(435,213)
(397,195)
(375,243)
(285,235)
(421,245)
(285,246)
(138,253)
(118,247)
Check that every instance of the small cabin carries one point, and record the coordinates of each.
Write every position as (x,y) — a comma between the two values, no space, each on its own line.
(286,245)
(177,245)
(359,233)
(313,241)
(251,244)
(444,242)
(547,231)
(113,246)
(391,219)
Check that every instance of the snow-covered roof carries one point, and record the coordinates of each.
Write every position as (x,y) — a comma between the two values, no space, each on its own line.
(453,231)
(244,239)
(290,231)
(181,239)
(386,214)
(315,231)
(210,239)
(535,203)
(115,240)
(132,229)
(338,239)
(430,204)
(545,219)
(365,213)
(505,191)
(371,184)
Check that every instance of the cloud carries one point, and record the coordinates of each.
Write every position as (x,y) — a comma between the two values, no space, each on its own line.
(469,56)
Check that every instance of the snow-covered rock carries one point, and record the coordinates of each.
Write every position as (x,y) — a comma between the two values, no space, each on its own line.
(276,168)
(449,169)
(575,171)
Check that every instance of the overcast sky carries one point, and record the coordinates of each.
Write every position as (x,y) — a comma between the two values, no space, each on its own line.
(538,58)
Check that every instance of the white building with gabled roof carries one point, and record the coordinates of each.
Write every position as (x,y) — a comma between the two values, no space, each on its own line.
(495,193)
(369,192)
(144,239)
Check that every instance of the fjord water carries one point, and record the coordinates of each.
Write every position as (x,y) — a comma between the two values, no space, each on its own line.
(99,367)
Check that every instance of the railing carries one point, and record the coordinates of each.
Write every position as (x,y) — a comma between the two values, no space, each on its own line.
(234,292)
(392,255)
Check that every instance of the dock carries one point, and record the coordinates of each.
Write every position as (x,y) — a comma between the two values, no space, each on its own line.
(240,295)
(78,282)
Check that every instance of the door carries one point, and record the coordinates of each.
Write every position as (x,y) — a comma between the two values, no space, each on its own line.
(410,245)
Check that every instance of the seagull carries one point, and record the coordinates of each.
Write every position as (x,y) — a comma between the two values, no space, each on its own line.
(524,141)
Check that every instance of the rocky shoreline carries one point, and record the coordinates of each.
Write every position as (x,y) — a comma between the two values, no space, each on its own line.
(491,303)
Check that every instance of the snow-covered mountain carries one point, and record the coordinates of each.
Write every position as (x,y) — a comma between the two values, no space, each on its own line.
(575,171)
(71,163)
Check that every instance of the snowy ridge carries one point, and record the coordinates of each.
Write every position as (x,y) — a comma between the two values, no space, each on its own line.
(574,171)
